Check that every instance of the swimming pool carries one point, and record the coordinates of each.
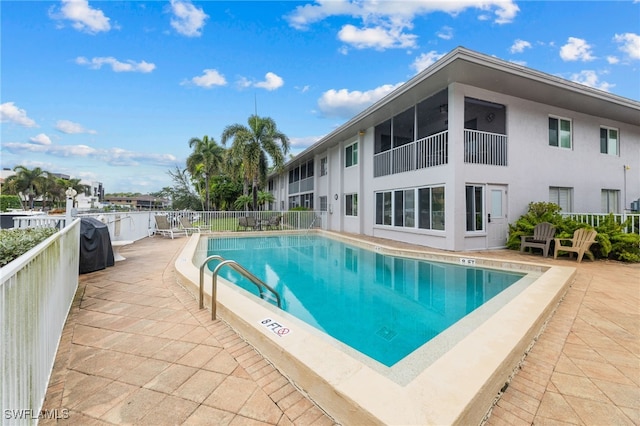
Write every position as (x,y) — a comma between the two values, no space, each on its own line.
(381,305)
(452,379)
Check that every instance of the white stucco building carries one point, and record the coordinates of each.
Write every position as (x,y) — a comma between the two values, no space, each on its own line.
(451,157)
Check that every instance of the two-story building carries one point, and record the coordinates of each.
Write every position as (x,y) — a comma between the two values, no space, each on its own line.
(452,156)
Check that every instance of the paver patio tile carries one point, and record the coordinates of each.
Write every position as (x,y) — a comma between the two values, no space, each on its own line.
(200,385)
(597,412)
(199,356)
(262,408)
(554,407)
(134,406)
(209,415)
(173,350)
(578,386)
(171,411)
(231,394)
(170,378)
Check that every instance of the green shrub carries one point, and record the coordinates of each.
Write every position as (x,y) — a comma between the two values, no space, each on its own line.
(537,213)
(15,242)
(9,202)
(611,242)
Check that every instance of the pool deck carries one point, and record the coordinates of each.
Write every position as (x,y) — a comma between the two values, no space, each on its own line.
(137,350)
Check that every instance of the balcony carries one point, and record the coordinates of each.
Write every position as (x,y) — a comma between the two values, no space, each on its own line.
(426,152)
(485,148)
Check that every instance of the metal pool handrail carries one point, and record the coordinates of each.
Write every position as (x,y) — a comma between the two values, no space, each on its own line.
(238,268)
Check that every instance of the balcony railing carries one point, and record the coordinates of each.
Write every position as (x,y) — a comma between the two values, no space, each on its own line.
(485,148)
(426,152)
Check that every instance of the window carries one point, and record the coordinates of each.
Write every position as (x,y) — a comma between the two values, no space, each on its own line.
(609,141)
(323,166)
(323,203)
(561,197)
(351,155)
(404,212)
(383,208)
(351,204)
(560,132)
(609,199)
(431,205)
(475,207)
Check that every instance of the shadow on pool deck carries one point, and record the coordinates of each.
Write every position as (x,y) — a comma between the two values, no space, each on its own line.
(136,349)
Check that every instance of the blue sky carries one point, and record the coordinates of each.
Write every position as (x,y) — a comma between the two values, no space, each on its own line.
(112,91)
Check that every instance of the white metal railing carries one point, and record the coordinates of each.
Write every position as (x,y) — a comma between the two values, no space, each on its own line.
(595,219)
(426,152)
(36,293)
(485,148)
(39,221)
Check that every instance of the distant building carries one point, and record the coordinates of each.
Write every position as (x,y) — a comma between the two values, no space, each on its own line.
(142,202)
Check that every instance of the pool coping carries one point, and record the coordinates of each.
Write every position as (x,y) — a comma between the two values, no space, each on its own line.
(457,388)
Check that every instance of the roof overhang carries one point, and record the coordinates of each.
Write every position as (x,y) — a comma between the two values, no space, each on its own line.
(486,72)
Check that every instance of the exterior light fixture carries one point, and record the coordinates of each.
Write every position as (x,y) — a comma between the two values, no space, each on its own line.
(71,193)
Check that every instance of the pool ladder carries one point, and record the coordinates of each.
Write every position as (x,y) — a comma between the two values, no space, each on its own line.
(238,268)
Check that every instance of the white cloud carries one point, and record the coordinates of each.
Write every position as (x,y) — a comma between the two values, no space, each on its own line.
(345,103)
(590,78)
(576,49)
(41,139)
(116,65)
(208,79)
(69,127)
(394,11)
(271,82)
(613,60)
(300,144)
(82,16)
(376,37)
(630,44)
(445,33)
(425,60)
(112,156)
(188,20)
(9,112)
(518,46)
(384,24)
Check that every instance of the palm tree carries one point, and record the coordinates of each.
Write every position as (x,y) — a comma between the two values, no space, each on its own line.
(205,160)
(255,144)
(26,182)
(265,197)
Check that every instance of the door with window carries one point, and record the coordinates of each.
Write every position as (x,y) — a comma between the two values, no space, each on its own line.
(497,223)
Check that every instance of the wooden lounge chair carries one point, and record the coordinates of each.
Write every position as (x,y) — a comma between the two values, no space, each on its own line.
(190,227)
(580,243)
(164,228)
(542,236)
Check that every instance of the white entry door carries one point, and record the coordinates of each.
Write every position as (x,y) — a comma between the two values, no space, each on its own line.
(497,223)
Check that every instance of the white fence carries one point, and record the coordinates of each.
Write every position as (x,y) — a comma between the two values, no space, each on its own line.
(485,148)
(595,219)
(36,292)
(426,152)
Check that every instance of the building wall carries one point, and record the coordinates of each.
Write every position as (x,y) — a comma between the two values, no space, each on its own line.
(533,167)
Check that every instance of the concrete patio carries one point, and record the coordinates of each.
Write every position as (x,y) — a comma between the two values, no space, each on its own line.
(137,350)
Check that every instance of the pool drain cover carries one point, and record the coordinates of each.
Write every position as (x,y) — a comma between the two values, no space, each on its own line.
(386,333)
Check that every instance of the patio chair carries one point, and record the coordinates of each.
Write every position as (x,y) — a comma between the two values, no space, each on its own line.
(253,223)
(542,236)
(164,228)
(242,223)
(274,222)
(186,224)
(580,243)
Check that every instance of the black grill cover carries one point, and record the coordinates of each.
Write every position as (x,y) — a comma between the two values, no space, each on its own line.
(96,252)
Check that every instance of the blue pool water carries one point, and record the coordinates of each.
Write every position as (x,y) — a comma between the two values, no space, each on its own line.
(383,306)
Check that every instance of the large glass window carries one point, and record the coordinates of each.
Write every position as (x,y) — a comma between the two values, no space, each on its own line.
(351,204)
(475,207)
(610,202)
(609,142)
(351,155)
(560,132)
(383,208)
(562,197)
(403,124)
(324,168)
(382,135)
